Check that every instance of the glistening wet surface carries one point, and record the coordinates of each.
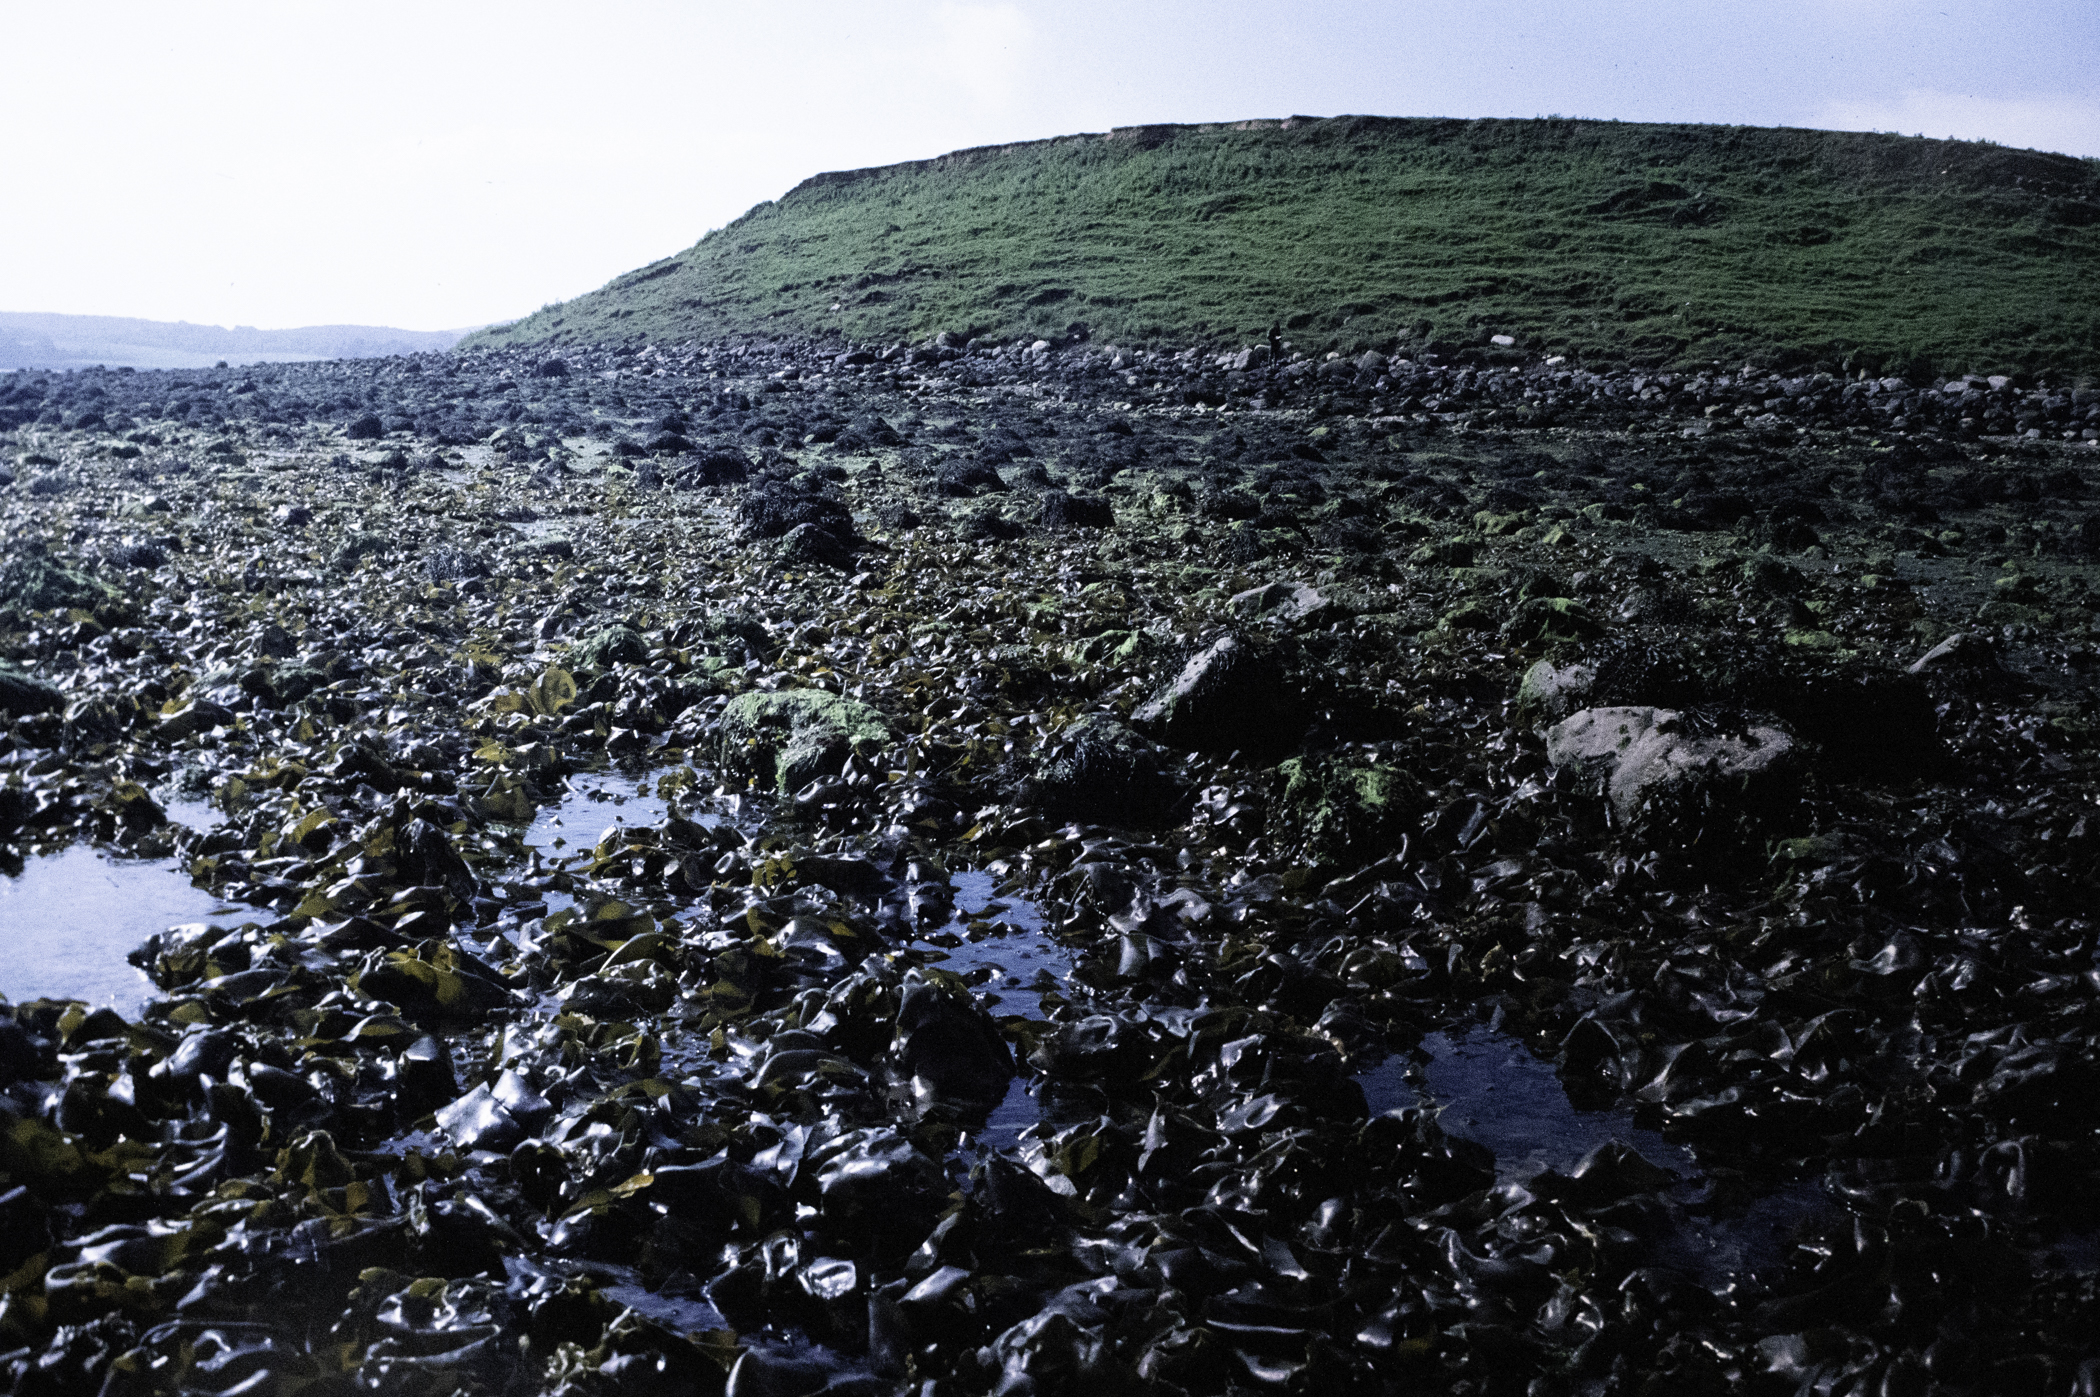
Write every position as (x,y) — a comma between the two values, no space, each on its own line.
(69,919)
(596,800)
(1021,958)
(1495,1091)
(1004,937)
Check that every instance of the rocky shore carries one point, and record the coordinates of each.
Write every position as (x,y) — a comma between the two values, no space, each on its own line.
(1721,744)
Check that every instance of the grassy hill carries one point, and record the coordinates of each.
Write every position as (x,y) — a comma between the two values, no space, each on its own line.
(1655,244)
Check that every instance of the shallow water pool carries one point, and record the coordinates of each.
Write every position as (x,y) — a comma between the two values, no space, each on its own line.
(68,920)
(595,802)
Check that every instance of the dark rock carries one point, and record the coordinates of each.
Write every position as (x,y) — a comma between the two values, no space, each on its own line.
(962,478)
(948,1050)
(22,693)
(1227,697)
(1063,511)
(714,468)
(1101,771)
(812,545)
(770,509)
(614,645)
(365,428)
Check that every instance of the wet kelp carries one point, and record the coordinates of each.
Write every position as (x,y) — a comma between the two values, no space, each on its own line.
(1292,742)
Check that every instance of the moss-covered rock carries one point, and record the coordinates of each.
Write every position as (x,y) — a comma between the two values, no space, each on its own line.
(786,740)
(1550,692)
(1347,813)
(1550,621)
(32,580)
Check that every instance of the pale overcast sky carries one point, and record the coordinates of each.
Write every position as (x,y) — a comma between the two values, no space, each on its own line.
(438,165)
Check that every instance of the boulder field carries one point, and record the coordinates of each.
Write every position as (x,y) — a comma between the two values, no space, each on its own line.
(1723,744)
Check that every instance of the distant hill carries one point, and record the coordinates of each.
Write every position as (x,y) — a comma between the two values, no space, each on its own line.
(1628,243)
(31,340)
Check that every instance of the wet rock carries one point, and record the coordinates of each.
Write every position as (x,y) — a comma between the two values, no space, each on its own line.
(1550,621)
(454,565)
(1550,692)
(948,1051)
(1067,511)
(811,545)
(22,693)
(1679,777)
(614,645)
(1101,770)
(1348,813)
(770,509)
(1228,696)
(713,469)
(785,740)
(1287,603)
(32,580)
(964,479)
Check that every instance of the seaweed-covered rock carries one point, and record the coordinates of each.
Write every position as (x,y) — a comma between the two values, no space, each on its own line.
(614,645)
(1550,621)
(771,508)
(948,1050)
(1101,770)
(1066,511)
(812,545)
(963,478)
(1349,812)
(32,580)
(712,469)
(785,740)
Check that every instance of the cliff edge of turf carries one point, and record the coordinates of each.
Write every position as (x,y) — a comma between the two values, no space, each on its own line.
(1660,245)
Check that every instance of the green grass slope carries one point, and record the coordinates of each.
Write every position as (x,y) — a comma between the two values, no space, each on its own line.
(1649,244)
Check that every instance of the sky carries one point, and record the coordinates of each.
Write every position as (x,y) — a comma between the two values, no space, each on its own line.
(443,165)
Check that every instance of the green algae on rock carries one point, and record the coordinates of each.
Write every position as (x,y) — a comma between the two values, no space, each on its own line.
(1347,812)
(786,740)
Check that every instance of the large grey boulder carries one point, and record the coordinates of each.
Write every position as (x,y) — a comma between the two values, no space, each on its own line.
(1288,602)
(1681,780)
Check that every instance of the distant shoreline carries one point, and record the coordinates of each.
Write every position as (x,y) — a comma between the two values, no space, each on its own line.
(50,341)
